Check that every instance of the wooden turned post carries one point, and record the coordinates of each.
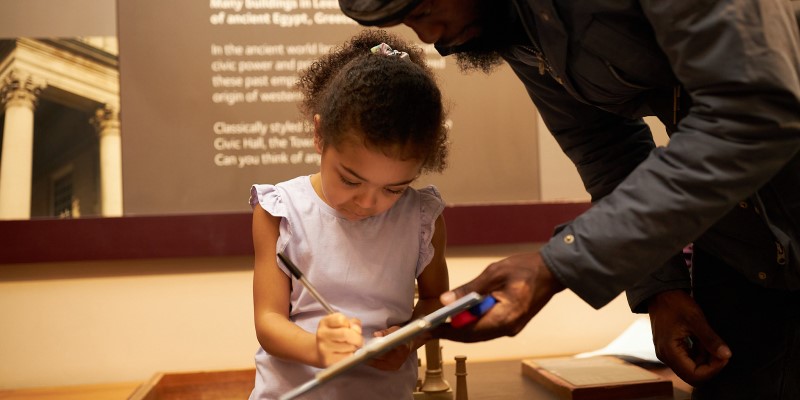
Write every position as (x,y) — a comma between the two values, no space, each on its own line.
(461,378)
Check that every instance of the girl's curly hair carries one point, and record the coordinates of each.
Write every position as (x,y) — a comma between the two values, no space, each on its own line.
(394,102)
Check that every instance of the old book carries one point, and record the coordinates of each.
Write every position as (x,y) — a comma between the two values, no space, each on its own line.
(596,378)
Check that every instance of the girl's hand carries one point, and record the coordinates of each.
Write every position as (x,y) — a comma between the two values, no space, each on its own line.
(393,359)
(337,338)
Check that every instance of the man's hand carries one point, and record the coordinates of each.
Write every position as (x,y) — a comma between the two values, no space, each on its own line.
(521,284)
(337,338)
(683,339)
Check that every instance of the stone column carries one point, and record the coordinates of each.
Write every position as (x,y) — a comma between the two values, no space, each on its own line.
(106,122)
(19,94)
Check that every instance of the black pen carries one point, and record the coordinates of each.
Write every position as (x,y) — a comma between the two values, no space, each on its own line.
(300,277)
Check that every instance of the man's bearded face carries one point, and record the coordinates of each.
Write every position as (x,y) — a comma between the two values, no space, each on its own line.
(483,52)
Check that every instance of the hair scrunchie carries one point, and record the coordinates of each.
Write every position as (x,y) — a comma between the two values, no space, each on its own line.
(386,50)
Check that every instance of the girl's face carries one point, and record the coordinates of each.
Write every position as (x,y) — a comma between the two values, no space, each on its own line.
(359,182)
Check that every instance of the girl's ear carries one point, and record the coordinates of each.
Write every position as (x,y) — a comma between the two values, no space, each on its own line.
(317,135)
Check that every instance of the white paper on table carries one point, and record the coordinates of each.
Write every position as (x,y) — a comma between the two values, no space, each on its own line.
(634,345)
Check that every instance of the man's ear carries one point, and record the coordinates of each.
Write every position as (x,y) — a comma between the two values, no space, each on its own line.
(317,136)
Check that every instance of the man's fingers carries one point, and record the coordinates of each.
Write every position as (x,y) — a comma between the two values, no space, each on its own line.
(481,284)
(696,372)
(712,343)
(698,359)
(457,293)
(705,339)
(495,323)
(683,357)
(685,369)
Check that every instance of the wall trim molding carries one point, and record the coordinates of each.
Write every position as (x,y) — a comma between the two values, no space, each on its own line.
(218,235)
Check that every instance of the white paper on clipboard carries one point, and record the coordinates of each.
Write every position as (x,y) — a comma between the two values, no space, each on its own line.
(381,345)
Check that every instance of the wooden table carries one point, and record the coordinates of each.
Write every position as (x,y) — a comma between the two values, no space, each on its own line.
(495,380)
(503,380)
(107,391)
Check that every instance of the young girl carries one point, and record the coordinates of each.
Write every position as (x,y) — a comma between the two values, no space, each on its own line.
(356,229)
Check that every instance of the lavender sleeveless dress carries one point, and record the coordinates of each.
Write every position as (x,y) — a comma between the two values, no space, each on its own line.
(366,269)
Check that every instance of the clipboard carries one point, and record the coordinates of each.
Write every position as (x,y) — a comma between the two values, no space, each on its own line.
(378,346)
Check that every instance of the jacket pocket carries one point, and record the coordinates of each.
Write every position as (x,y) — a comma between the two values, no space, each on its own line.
(632,61)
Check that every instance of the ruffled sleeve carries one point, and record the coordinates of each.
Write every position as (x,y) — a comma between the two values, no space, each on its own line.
(431,206)
(270,199)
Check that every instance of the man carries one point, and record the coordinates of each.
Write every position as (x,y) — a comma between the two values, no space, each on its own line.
(724,78)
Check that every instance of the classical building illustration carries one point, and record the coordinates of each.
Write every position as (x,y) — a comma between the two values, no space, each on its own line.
(60,130)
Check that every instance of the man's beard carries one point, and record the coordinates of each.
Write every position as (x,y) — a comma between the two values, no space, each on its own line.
(483,52)
(478,60)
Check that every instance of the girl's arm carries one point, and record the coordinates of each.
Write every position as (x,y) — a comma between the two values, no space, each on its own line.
(434,280)
(336,337)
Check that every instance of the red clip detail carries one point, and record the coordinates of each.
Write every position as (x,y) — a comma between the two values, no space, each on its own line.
(462,319)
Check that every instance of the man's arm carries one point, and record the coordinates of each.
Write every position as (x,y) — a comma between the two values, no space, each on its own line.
(674,275)
(742,129)
(604,147)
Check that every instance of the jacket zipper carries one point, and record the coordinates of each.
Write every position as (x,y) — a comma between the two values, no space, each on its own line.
(544,66)
(780,257)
